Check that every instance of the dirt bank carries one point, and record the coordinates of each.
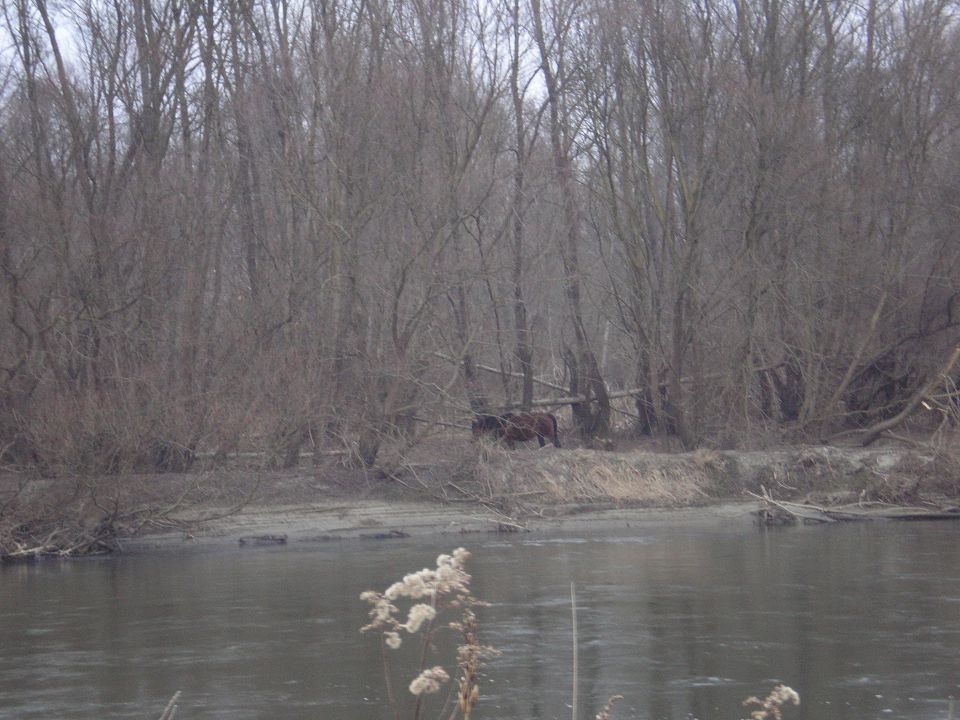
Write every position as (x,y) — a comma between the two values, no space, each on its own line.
(377,521)
(489,489)
(479,488)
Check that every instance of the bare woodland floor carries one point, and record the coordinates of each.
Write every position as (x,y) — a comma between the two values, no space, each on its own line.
(456,486)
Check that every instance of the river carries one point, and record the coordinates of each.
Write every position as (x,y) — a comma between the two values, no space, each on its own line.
(863,620)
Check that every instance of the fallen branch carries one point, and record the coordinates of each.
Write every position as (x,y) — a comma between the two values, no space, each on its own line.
(572,400)
(816,513)
(502,519)
(57,531)
(619,393)
(496,371)
(795,511)
(858,354)
(874,432)
(441,423)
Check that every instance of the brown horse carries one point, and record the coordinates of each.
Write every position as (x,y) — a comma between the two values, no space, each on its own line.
(512,427)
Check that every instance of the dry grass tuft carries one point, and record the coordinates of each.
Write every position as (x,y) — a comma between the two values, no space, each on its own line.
(586,476)
(707,459)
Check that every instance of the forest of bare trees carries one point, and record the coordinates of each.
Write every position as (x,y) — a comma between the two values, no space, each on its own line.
(293,224)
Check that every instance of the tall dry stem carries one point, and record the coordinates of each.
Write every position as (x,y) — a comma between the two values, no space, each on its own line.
(576,650)
(440,600)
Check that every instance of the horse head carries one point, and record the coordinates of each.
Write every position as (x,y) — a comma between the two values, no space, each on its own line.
(487,424)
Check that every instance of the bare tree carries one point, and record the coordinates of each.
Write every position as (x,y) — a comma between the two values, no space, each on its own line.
(270,224)
(592,416)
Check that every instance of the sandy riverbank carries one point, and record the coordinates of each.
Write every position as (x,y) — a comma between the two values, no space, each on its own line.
(492,490)
(472,488)
(377,521)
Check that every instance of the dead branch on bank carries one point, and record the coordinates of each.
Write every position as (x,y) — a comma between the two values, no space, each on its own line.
(54,525)
(913,403)
(24,543)
(780,512)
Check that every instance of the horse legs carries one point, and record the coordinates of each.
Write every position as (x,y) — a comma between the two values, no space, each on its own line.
(541,440)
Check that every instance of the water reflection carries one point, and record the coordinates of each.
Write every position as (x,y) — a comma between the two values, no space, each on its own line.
(685,622)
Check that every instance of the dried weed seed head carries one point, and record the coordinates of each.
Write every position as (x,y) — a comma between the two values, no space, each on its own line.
(470,657)
(608,708)
(769,707)
(446,586)
(418,614)
(443,589)
(429,681)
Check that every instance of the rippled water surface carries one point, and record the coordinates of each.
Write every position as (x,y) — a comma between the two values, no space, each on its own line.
(862,619)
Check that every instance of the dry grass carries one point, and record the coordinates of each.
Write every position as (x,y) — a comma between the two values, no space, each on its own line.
(588,476)
(707,458)
(530,482)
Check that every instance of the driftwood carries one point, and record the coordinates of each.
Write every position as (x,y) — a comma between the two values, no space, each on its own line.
(56,539)
(263,540)
(775,511)
(495,504)
(388,535)
(55,528)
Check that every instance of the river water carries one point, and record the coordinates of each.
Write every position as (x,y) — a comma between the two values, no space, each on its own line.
(863,620)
